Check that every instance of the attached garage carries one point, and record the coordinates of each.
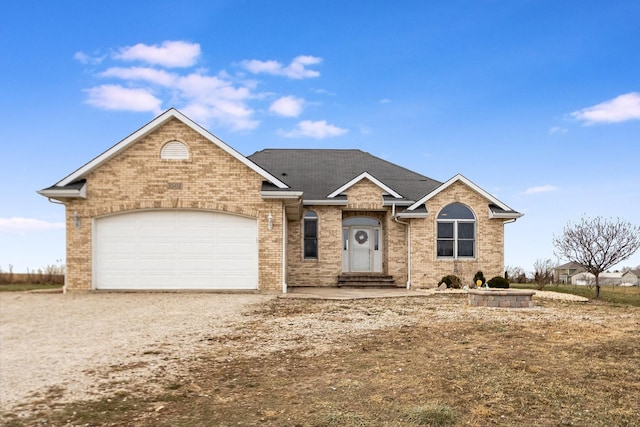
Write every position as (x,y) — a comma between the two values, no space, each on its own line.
(175,250)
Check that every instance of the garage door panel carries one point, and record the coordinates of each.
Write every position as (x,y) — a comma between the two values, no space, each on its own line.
(175,250)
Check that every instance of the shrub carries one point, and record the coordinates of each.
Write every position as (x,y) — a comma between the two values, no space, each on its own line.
(498,282)
(479,276)
(452,281)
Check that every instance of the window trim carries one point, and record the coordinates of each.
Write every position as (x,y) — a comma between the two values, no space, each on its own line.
(310,216)
(455,238)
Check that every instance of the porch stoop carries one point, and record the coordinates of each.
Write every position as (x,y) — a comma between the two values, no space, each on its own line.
(366,280)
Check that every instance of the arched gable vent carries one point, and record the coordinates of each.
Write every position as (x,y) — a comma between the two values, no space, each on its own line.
(174,150)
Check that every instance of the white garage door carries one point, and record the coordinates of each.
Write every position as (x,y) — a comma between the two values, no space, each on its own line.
(175,249)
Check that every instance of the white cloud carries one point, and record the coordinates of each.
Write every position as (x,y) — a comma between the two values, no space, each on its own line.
(169,54)
(22,225)
(319,130)
(557,130)
(83,58)
(297,69)
(384,101)
(220,99)
(620,109)
(214,98)
(150,75)
(287,106)
(116,97)
(540,189)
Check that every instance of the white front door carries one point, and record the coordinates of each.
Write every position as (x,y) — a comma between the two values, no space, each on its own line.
(361,250)
(361,245)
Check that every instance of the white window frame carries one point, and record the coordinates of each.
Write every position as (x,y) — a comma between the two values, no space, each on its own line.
(456,239)
(310,216)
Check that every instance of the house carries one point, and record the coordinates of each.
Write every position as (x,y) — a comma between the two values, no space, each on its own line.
(631,278)
(563,273)
(604,279)
(173,207)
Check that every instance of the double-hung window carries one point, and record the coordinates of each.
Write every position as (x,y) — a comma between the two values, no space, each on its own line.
(456,232)
(310,232)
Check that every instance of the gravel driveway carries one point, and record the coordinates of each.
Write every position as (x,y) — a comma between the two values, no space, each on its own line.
(57,348)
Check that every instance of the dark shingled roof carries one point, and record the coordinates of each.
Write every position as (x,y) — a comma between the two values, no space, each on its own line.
(320,172)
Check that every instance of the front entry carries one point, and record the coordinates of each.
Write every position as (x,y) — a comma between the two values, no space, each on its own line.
(361,245)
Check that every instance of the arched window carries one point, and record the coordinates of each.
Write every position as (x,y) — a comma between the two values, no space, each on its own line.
(310,235)
(456,232)
(174,150)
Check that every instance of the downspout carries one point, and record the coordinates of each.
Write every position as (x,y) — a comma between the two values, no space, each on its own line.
(284,250)
(57,202)
(395,218)
(509,221)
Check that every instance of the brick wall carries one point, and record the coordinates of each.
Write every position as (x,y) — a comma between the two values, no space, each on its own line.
(427,269)
(137,179)
(364,199)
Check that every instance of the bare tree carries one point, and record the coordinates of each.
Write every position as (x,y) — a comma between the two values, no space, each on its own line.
(516,274)
(543,272)
(598,244)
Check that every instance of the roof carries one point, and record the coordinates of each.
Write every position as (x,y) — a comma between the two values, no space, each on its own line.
(323,174)
(571,265)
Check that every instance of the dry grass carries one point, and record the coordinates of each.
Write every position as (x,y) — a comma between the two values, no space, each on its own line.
(437,362)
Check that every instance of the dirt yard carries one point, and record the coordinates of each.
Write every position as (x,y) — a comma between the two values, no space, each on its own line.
(209,359)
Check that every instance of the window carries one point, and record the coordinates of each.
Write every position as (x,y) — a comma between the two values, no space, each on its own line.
(310,231)
(174,150)
(456,232)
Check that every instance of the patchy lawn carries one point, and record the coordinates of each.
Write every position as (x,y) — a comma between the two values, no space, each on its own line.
(430,361)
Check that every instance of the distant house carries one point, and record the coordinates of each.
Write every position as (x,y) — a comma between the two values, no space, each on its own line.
(605,279)
(631,278)
(564,273)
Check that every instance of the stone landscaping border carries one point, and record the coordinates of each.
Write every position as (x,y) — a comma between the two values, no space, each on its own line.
(507,298)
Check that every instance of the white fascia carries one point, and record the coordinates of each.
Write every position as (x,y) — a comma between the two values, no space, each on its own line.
(281,194)
(150,127)
(65,192)
(504,215)
(340,202)
(409,215)
(468,183)
(393,202)
(359,178)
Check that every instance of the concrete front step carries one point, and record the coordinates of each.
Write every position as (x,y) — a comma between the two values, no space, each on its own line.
(364,278)
(366,281)
(376,285)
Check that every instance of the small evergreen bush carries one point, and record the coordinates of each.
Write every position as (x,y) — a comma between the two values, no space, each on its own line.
(452,281)
(479,276)
(498,282)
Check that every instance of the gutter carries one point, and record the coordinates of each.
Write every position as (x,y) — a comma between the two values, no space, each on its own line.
(395,218)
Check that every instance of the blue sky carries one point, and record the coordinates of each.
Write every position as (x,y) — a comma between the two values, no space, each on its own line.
(538,102)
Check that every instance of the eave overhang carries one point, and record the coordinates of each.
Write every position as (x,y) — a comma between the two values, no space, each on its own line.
(336,201)
(281,194)
(76,190)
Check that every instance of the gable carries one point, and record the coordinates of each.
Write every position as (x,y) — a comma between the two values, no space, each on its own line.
(368,177)
(496,208)
(140,169)
(57,190)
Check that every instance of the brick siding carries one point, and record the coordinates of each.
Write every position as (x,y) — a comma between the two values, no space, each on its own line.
(137,178)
